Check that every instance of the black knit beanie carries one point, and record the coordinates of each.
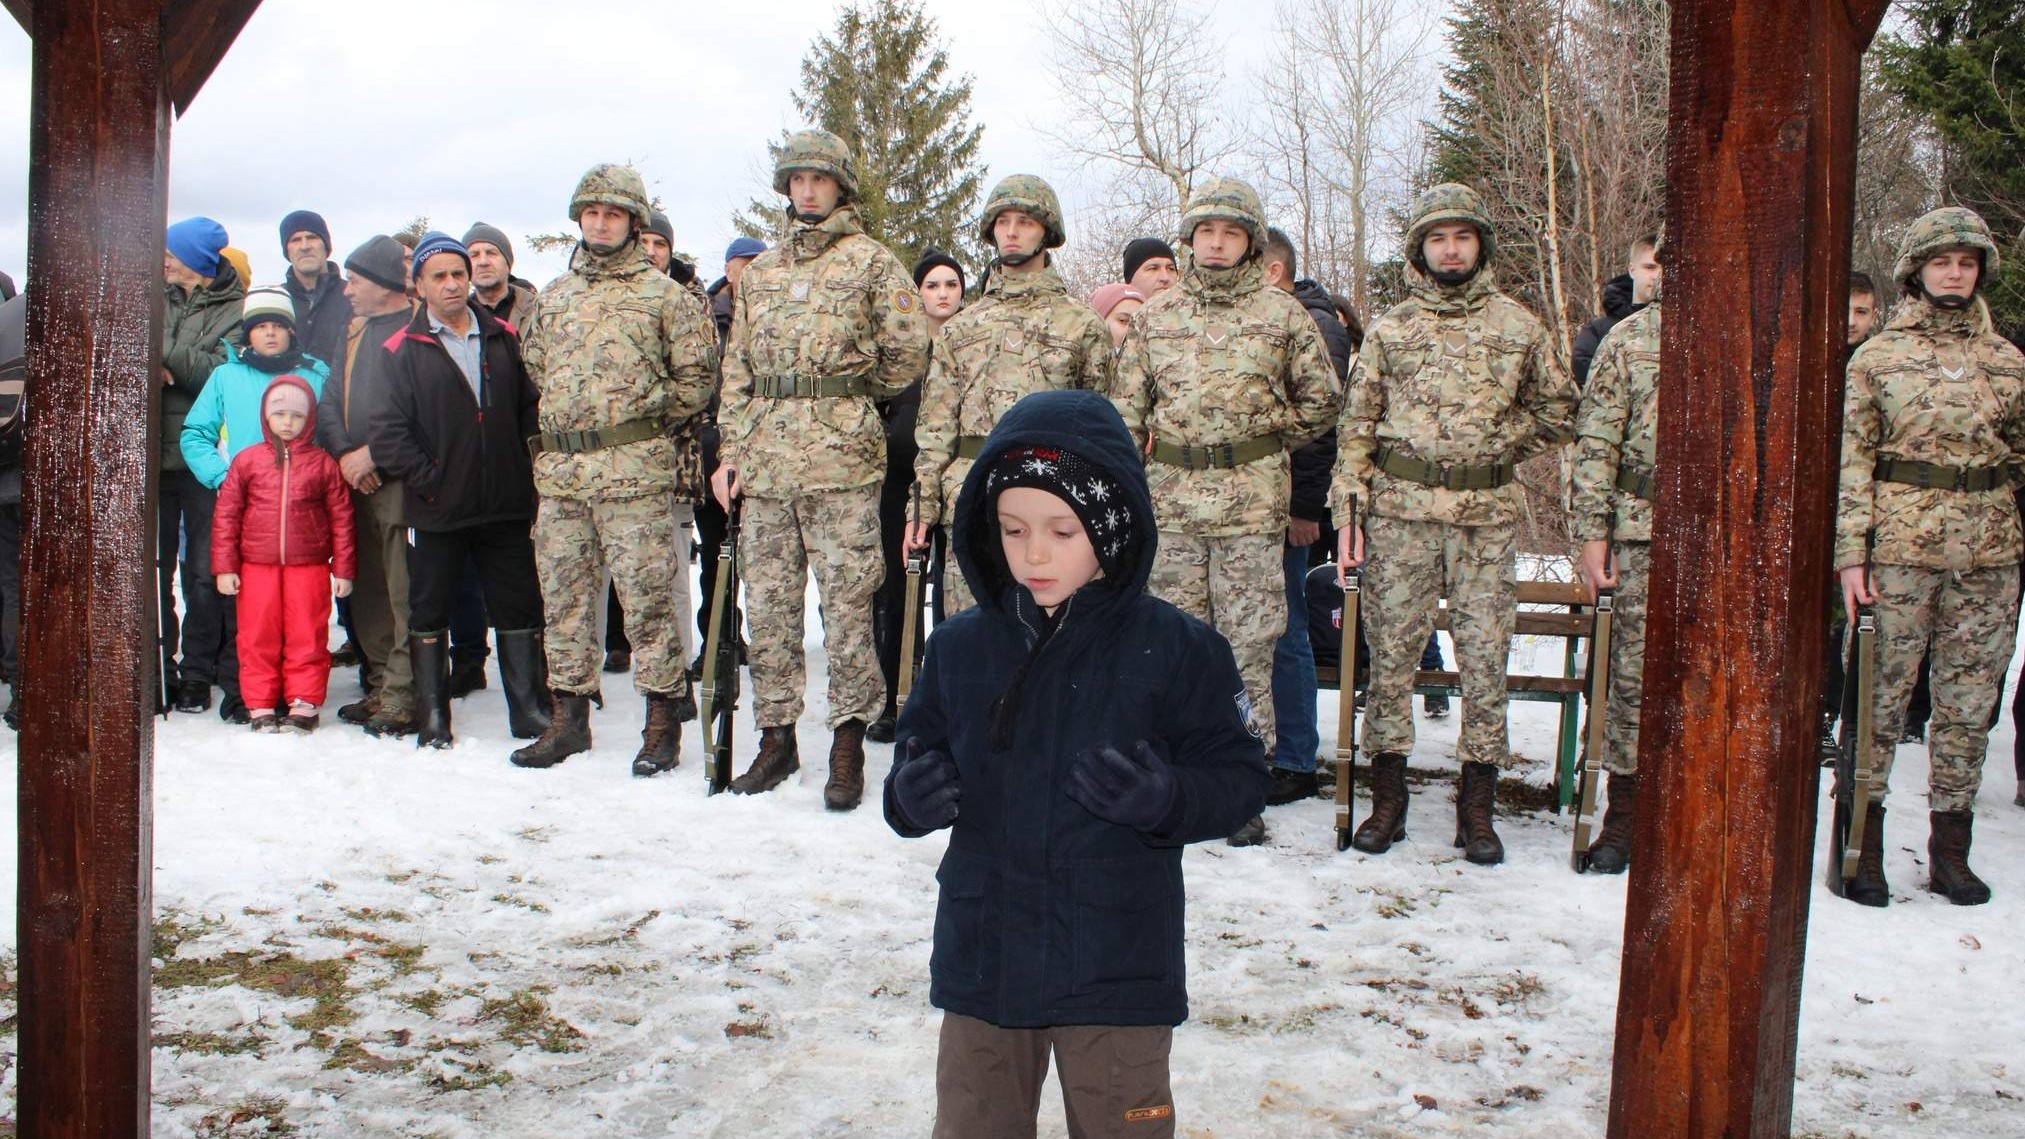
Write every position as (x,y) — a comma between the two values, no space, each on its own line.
(1099,502)
(1141,250)
(931,258)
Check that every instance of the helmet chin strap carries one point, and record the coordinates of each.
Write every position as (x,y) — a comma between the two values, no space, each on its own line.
(1950,301)
(1015,260)
(604,250)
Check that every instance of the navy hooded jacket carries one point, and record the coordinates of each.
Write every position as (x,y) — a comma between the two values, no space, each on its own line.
(1049,915)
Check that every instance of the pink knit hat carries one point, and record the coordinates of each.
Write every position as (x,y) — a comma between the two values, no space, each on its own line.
(1107,298)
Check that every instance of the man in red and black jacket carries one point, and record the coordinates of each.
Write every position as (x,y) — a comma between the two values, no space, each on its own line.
(453,426)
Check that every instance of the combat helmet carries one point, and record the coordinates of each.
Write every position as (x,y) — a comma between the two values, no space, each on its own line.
(1949,227)
(1448,202)
(818,150)
(613,184)
(1231,200)
(1030,195)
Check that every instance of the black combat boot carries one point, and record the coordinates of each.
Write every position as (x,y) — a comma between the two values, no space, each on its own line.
(881,730)
(778,758)
(847,767)
(431,658)
(467,670)
(1386,824)
(1869,888)
(1948,858)
(1288,786)
(1611,853)
(1474,803)
(523,674)
(685,700)
(569,732)
(661,739)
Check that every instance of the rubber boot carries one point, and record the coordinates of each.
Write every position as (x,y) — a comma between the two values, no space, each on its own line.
(430,655)
(846,784)
(1611,852)
(523,675)
(1948,858)
(1869,888)
(1386,824)
(1474,804)
(569,732)
(661,739)
(778,758)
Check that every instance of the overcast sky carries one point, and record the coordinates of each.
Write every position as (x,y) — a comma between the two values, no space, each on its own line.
(374,111)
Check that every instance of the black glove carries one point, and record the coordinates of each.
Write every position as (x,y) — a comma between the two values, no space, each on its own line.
(926,788)
(1140,791)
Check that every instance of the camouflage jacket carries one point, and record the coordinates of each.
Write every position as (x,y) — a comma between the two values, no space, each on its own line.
(1224,358)
(1025,335)
(1618,426)
(829,303)
(1457,377)
(611,341)
(1934,387)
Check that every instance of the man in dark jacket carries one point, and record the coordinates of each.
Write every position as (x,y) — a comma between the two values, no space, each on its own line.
(711,520)
(377,292)
(1622,295)
(322,312)
(13,383)
(202,297)
(1089,732)
(493,284)
(453,428)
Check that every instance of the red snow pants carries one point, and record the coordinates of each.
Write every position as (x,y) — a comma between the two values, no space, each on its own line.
(284,635)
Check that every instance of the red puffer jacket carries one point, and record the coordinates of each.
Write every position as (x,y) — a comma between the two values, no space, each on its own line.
(284,504)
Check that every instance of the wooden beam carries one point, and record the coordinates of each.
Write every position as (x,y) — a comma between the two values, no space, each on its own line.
(98,138)
(1761,166)
(23,12)
(197,33)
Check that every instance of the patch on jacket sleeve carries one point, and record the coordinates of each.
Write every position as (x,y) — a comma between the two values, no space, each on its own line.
(1147,1114)
(1243,700)
(903,300)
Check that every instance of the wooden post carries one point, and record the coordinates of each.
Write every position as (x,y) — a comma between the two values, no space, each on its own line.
(98,153)
(1761,166)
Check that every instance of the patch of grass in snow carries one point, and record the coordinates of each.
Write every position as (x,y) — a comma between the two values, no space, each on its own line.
(352,1055)
(514,900)
(453,1073)
(1397,906)
(369,914)
(251,1117)
(536,835)
(524,1019)
(210,1043)
(173,927)
(327,983)
(630,933)
(1518,989)
(425,1002)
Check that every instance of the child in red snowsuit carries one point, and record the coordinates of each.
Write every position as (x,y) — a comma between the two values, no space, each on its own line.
(282,525)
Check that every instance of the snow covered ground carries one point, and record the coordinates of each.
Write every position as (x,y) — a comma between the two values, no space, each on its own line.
(358,938)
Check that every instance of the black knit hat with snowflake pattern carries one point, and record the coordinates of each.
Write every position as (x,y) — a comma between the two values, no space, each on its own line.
(1100,504)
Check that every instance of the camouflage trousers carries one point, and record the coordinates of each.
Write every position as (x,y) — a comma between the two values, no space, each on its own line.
(835,533)
(1971,620)
(1238,585)
(1627,658)
(1409,566)
(575,540)
(956,595)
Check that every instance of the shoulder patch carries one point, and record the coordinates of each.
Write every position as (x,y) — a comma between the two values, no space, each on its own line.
(903,300)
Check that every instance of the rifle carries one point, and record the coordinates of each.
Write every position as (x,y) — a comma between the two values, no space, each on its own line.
(1599,716)
(1346,699)
(1852,759)
(910,620)
(720,660)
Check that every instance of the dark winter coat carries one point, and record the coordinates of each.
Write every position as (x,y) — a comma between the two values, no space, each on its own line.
(517,306)
(462,460)
(1048,915)
(321,317)
(1314,462)
(284,504)
(1617,304)
(195,327)
(358,382)
(13,391)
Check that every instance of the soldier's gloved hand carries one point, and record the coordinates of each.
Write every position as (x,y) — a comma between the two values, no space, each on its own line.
(927,788)
(1139,791)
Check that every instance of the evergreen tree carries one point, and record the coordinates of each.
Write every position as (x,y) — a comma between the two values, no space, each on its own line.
(1961,63)
(880,81)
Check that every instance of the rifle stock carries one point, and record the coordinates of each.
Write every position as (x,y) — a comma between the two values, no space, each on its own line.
(1592,739)
(1346,699)
(719,689)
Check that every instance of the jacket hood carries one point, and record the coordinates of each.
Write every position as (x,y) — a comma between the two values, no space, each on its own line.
(808,240)
(1469,296)
(308,436)
(628,260)
(1617,296)
(1223,285)
(1917,314)
(1079,421)
(1008,286)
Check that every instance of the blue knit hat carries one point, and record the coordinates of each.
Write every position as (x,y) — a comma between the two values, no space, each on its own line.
(434,242)
(196,242)
(743,247)
(305,221)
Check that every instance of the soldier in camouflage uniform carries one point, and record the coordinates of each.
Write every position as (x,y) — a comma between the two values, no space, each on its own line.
(1026,334)
(1220,378)
(823,324)
(1615,474)
(623,357)
(1926,530)
(1455,387)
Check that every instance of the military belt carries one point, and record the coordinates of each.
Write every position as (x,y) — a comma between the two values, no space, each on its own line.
(1637,481)
(806,387)
(1481,476)
(596,438)
(1939,477)
(1213,456)
(969,446)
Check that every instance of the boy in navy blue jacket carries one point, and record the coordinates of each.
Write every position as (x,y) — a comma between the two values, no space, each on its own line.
(1074,732)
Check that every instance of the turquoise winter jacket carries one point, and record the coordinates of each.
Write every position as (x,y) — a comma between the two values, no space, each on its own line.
(227,411)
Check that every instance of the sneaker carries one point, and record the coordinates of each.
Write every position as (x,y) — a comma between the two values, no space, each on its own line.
(1289,786)
(264,720)
(1435,706)
(302,718)
(1253,833)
